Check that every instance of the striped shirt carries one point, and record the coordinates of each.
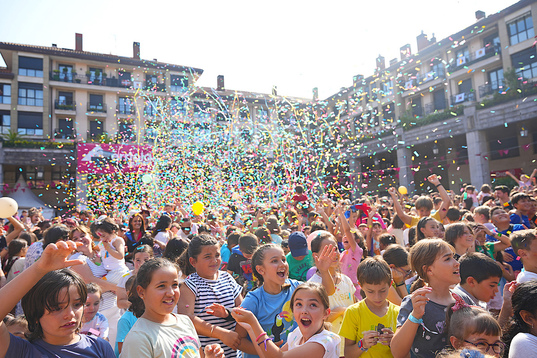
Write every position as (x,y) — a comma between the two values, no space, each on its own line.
(224,291)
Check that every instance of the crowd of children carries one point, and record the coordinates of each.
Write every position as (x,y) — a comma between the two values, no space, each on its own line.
(393,276)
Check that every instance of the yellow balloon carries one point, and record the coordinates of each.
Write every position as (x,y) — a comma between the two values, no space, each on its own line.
(198,207)
(402,190)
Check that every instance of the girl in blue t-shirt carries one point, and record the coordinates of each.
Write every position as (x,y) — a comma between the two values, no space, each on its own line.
(53,302)
(271,302)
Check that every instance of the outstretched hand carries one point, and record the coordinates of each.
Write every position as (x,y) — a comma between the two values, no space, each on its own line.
(243,317)
(328,256)
(217,310)
(213,351)
(55,256)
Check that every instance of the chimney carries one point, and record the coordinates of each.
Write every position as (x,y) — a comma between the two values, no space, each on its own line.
(78,42)
(422,40)
(315,93)
(54,45)
(393,61)
(433,39)
(381,63)
(357,80)
(136,50)
(479,15)
(405,52)
(274,90)
(220,83)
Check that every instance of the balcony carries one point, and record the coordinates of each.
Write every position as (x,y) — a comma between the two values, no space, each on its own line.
(431,108)
(462,97)
(99,108)
(63,106)
(491,88)
(431,75)
(64,133)
(479,55)
(128,110)
(87,80)
(156,87)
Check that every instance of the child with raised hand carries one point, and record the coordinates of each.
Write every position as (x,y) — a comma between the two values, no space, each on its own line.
(368,325)
(343,296)
(421,320)
(521,336)
(159,332)
(53,303)
(205,286)
(112,249)
(270,302)
(473,327)
(310,308)
(94,323)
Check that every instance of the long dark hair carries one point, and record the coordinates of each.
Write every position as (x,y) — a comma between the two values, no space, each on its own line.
(194,249)
(45,296)
(54,234)
(523,299)
(162,224)
(14,248)
(131,227)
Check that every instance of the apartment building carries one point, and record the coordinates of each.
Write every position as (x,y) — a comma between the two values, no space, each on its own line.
(52,100)
(463,107)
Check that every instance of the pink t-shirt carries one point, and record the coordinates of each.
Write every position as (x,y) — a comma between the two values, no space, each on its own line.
(348,262)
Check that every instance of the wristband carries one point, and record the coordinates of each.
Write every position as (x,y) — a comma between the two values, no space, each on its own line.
(229,316)
(438,185)
(261,335)
(413,319)
(361,346)
(499,234)
(400,284)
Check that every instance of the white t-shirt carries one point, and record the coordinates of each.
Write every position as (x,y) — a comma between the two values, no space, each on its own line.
(329,340)
(98,326)
(523,345)
(163,237)
(523,276)
(16,269)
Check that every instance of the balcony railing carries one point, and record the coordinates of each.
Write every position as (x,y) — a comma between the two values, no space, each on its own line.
(462,97)
(64,133)
(158,87)
(479,55)
(431,75)
(123,109)
(87,80)
(431,107)
(101,107)
(64,106)
(490,88)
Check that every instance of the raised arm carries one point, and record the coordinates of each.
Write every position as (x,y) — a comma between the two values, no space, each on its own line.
(512,176)
(446,200)
(18,227)
(54,257)
(398,208)
(345,227)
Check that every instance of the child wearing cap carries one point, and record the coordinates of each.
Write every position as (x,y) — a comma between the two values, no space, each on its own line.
(300,259)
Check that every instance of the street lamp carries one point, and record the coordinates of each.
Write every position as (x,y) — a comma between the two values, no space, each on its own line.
(523,132)
(435,149)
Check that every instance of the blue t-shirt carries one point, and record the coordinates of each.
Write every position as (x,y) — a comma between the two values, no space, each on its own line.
(272,311)
(124,326)
(87,346)
(517,219)
(225,253)
(516,264)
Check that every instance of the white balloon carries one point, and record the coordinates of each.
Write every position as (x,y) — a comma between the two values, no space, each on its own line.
(8,207)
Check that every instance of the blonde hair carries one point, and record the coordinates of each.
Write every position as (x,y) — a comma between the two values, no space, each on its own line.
(422,255)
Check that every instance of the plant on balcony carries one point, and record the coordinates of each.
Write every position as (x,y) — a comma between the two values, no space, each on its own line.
(12,136)
(408,120)
(513,89)
(56,75)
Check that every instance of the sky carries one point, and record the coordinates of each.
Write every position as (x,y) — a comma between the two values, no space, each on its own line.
(292,44)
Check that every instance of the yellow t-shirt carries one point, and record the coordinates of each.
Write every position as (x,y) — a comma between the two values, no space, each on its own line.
(359,318)
(416,219)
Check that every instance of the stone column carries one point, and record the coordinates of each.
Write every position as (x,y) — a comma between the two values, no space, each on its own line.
(81,191)
(479,166)
(404,161)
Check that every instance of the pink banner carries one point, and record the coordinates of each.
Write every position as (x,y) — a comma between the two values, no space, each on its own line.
(100,158)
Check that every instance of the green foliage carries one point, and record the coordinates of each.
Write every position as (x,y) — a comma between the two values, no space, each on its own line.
(408,120)
(37,144)
(12,136)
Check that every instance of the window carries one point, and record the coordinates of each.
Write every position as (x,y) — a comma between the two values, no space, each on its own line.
(387,88)
(30,66)
(415,105)
(65,128)
(66,73)
(5,122)
(201,110)
(496,78)
(5,93)
(151,79)
(177,107)
(504,148)
(178,83)
(263,115)
(95,74)
(126,132)
(244,113)
(150,108)
(465,86)
(30,123)
(125,78)
(30,94)
(126,105)
(462,56)
(525,63)
(96,102)
(439,99)
(492,40)
(96,129)
(34,175)
(520,29)
(62,173)
(388,113)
